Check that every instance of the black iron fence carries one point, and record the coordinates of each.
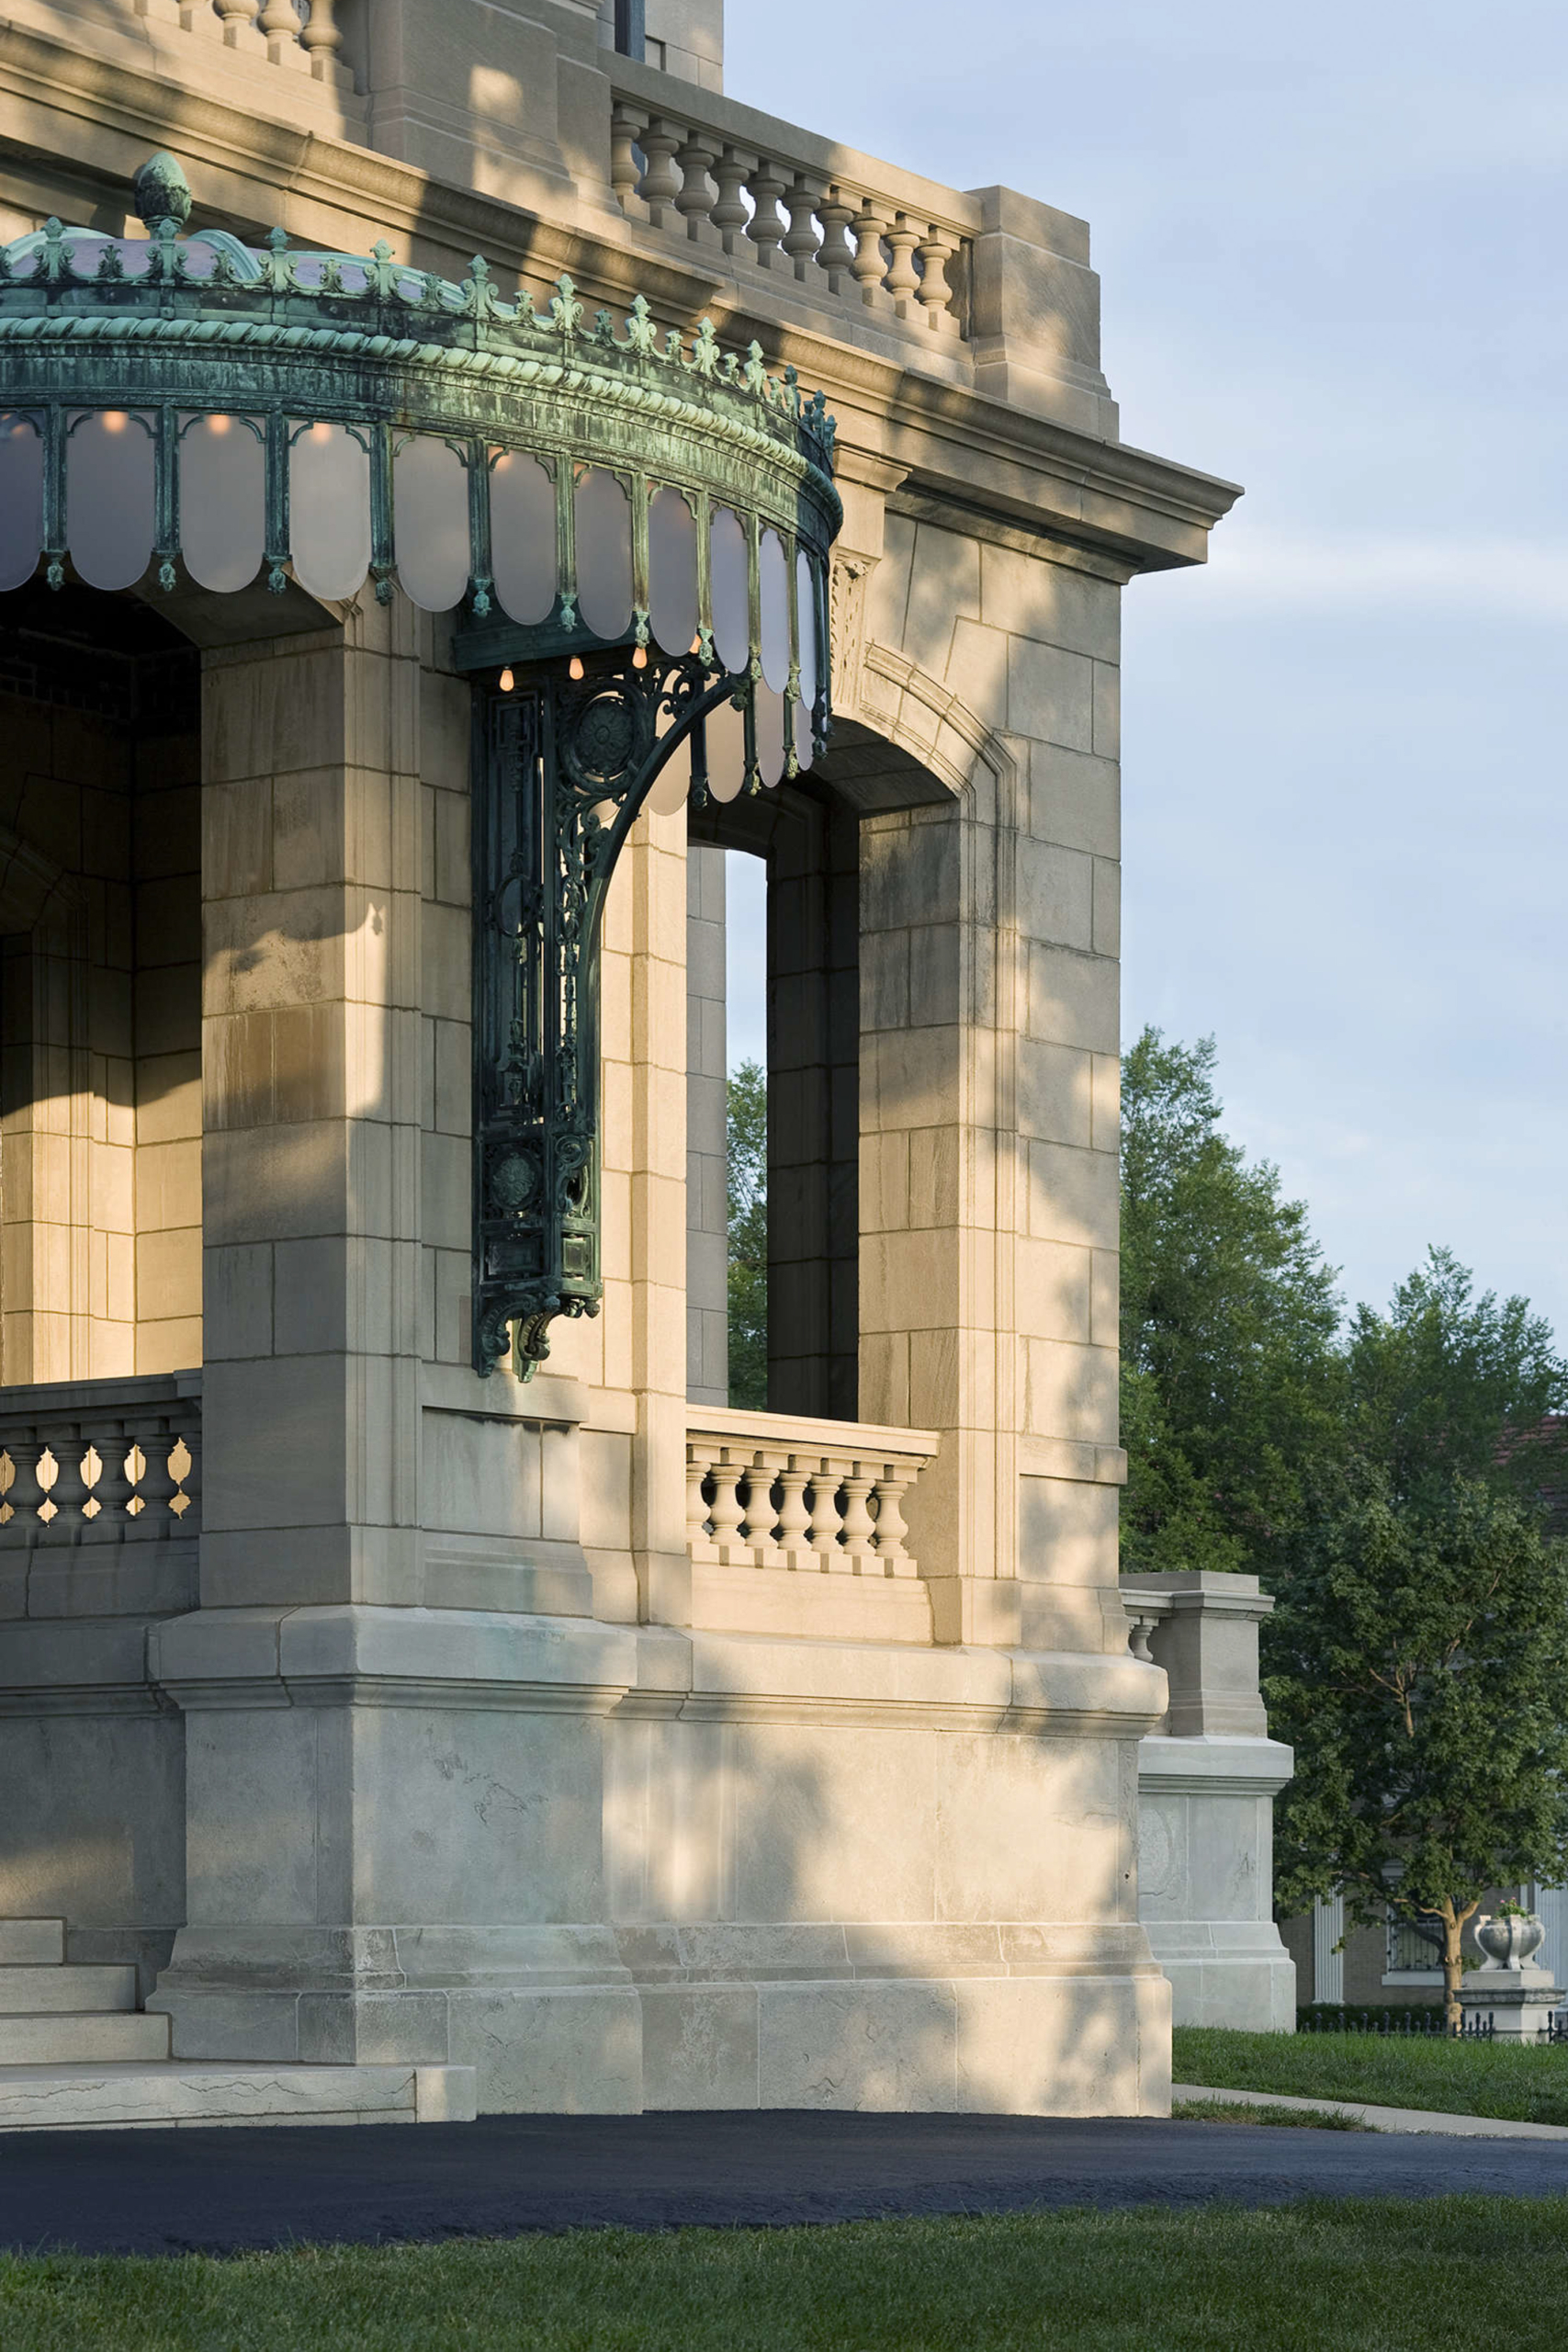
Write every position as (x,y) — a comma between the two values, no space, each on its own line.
(1424,2022)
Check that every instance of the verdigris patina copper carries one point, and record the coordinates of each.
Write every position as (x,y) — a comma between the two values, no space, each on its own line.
(629,526)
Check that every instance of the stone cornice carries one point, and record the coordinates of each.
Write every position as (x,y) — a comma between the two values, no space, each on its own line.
(1213,1766)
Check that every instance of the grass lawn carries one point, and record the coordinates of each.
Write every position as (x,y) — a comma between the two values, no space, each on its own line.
(1354,2276)
(1214,2110)
(1459,2078)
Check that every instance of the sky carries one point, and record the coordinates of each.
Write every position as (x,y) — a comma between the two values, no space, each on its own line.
(1332,243)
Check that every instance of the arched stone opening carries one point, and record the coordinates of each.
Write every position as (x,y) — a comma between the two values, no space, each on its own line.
(100,989)
(806,836)
(874,894)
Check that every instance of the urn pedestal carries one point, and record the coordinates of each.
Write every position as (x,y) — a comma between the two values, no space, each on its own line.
(1508,1987)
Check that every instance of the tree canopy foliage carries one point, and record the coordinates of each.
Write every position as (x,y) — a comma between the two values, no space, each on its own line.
(1447,1384)
(1246,1392)
(1231,1379)
(1418,1663)
(1388,1476)
(746,1143)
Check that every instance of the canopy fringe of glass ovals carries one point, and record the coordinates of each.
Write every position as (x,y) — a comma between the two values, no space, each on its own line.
(174,408)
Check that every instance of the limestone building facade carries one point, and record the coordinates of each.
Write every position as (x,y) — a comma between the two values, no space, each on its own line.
(408,1658)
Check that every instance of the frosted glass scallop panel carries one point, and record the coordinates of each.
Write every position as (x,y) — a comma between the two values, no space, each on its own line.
(727,750)
(21,499)
(731,591)
(429,523)
(672,571)
(523,537)
(673,781)
(329,510)
(773,582)
(603,517)
(804,749)
(805,626)
(222,502)
(109,498)
(769,734)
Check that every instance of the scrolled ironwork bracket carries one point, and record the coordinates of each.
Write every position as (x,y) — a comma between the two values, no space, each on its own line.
(563,767)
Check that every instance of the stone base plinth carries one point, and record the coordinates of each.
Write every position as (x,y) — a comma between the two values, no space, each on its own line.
(1077,2023)
(1230,1972)
(1518,2001)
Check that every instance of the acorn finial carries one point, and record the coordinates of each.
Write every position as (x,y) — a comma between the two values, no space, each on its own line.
(162,191)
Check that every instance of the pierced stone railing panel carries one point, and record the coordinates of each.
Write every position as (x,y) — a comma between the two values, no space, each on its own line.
(101,1462)
(871,240)
(769,1490)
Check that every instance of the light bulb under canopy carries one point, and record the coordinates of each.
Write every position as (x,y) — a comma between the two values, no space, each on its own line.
(576,666)
(507,682)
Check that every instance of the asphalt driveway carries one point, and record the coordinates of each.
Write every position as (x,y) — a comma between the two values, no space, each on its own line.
(219,2190)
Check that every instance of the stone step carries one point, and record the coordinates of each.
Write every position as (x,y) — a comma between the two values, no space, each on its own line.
(188,2092)
(32,1943)
(35,1992)
(76,2038)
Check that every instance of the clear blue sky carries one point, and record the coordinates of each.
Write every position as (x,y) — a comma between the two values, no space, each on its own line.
(1332,246)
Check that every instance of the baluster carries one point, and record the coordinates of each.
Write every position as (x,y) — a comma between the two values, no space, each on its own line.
(761,1517)
(935,294)
(25,1492)
(837,256)
(113,1486)
(626,131)
(799,240)
(870,264)
(190,1518)
(279,20)
(728,1513)
(825,1518)
(730,215)
(794,1517)
(765,229)
(860,1528)
(891,1525)
(239,24)
(903,278)
(695,201)
(699,1544)
(660,181)
(69,1492)
(321,40)
(157,1484)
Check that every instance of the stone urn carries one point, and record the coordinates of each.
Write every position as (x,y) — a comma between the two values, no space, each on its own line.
(1510,1942)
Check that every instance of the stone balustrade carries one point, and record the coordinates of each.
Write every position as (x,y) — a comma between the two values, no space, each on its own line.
(767,1490)
(94,1461)
(871,240)
(301,36)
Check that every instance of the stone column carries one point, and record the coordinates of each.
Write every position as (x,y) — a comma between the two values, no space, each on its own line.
(645,1136)
(1327,1958)
(707,1203)
(393,1788)
(311,1154)
(941,987)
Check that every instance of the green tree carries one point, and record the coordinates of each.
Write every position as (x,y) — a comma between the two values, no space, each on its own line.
(1419,1668)
(1446,1383)
(747,1169)
(1231,1379)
